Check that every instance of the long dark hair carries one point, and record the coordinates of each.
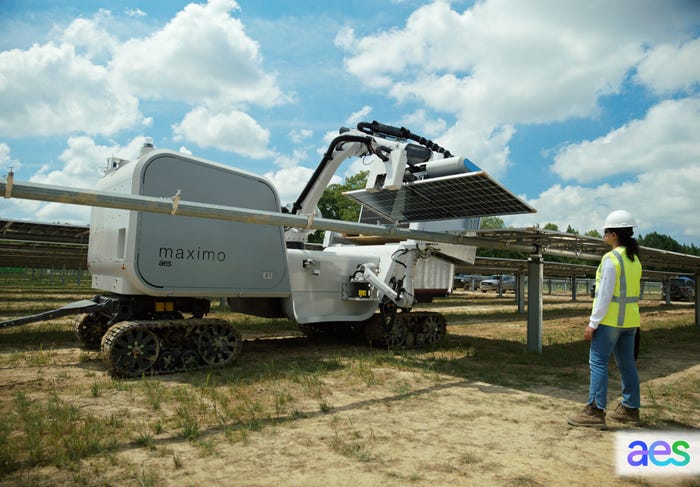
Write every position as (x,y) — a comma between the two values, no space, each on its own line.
(625,238)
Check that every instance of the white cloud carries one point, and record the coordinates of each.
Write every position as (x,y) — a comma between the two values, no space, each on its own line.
(6,162)
(486,146)
(135,12)
(84,162)
(345,38)
(297,136)
(666,138)
(285,161)
(91,37)
(291,181)
(491,62)
(89,81)
(49,90)
(358,116)
(203,55)
(563,205)
(655,160)
(232,131)
(424,124)
(501,63)
(83,165)
(668,68)
(662,201)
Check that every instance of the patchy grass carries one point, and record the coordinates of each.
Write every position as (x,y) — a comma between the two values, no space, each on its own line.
(51,431)
(59,409)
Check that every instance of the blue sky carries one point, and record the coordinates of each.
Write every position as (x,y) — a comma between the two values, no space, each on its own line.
(578,107)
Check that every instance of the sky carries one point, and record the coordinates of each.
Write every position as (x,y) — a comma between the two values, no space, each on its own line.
(579,108)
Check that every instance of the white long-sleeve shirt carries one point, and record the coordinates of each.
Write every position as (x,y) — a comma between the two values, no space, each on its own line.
(603,293)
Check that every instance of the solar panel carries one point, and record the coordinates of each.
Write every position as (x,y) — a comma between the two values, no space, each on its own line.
(457,196)
(371,217)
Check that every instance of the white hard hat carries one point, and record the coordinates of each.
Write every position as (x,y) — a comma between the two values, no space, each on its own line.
(620,219)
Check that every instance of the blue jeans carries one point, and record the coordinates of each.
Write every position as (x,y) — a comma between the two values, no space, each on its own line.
(620,341)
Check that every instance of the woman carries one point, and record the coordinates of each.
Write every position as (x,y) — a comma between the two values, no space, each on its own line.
(613,325)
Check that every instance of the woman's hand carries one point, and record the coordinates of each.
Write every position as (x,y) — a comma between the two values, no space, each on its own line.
(588,333)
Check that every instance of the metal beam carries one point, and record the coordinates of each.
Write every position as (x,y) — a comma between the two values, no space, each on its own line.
(520,294)
(104,199)
(534,304)
(697,300)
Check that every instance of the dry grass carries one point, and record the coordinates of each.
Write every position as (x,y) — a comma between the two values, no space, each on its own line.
(63,419)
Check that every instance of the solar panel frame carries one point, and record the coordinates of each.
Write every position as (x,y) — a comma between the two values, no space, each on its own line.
(473,194)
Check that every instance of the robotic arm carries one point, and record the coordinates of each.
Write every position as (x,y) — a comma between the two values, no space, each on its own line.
(349,144)
(394,160)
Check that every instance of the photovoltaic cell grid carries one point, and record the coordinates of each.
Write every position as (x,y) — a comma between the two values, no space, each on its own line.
(371,217)
(457,196)
(43,245)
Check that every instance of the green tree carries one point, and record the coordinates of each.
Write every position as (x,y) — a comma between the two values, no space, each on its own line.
(658,241)
(491,223)
(496,223)
(333,204)
(570,229)
(551,226)
(594,233)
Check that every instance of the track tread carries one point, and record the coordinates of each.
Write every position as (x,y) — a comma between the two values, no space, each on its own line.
(419,329)
(178,345)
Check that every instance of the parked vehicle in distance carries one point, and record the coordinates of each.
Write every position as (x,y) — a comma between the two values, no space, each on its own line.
(468,281)
(491,284)
(681,289)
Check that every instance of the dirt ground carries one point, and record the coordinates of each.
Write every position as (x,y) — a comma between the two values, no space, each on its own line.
(404,426)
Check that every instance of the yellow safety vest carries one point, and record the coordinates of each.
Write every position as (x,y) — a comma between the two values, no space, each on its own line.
(624,307)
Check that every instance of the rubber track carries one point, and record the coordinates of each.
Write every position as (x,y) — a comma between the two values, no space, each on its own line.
(90,330)
(180,344)
(412,330)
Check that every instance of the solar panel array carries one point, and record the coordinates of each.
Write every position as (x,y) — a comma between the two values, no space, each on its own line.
(458,196)
(43,245)
(40,245)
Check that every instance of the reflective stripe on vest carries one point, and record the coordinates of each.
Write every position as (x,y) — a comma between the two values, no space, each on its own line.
(624,305)
(622,299)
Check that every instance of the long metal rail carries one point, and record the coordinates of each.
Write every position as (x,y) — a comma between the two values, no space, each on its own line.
(175,206)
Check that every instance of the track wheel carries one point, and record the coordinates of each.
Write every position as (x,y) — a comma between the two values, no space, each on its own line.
(219,343)
(393,329)
(388,311)
(420,331)
(130,349)
(434,328)
(190,360)
(90,330)
(169,362)
(395,336)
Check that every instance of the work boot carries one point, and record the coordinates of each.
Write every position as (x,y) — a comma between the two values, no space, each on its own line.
(591,417)
(623,414)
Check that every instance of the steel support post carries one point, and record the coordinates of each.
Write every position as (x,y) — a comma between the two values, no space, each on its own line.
(697,307)
(573,288)
(520,291)
(534,303)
